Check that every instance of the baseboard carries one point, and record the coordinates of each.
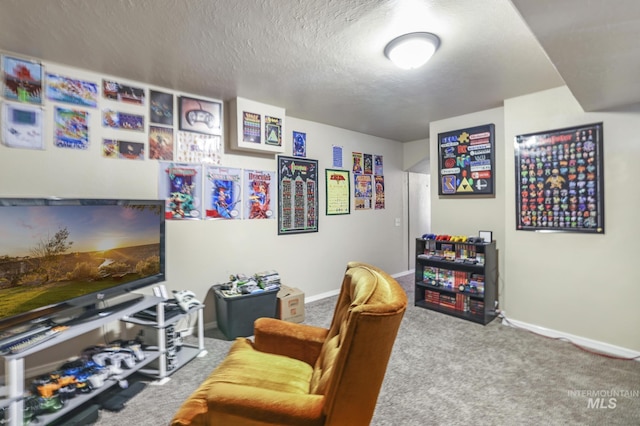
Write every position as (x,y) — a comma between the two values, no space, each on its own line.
(337,291)
(402,274)
(584,342)
(321,296)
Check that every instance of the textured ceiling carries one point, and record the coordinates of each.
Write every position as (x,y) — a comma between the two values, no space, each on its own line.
(323,60)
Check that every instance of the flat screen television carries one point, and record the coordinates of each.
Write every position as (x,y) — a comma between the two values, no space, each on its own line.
(64,254)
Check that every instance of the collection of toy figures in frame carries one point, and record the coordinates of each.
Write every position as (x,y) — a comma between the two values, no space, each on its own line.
(560,180)
(297,195)
(466,161)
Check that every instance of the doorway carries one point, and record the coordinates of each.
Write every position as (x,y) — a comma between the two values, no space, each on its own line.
(419,210)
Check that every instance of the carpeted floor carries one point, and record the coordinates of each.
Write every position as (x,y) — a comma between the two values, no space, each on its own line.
(447,371)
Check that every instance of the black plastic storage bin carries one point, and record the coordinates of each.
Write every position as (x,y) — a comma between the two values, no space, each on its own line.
(236,314)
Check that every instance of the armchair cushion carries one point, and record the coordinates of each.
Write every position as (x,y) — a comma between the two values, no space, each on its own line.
(259,388)
(248,367)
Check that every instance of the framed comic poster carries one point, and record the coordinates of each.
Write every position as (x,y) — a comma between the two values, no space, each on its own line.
(338,185)
(179,184)
(200,116)
(259,189)
(22,80)
(362,191)
(297,195)
(466,161)
(71,91)
(115,91)
(160,108)
(222,190)
(560,180)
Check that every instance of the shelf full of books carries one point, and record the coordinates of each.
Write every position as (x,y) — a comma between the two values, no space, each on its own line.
(457,278)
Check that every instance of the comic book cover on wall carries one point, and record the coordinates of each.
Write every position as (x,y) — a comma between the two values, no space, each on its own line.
(222,190)
(22,80)
(259,188)
(379,185)
(560,180)
(180,186)
(465,161)
(362,191)
(297,195)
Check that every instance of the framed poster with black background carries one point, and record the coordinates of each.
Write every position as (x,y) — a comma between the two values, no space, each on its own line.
(297,195)
(466,161)
(560,180)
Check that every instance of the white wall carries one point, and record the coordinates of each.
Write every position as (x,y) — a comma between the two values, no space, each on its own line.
(202,253)
(581,284)
(416,156)
(577,285)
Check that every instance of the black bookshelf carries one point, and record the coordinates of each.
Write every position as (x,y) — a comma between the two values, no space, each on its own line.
(457,278)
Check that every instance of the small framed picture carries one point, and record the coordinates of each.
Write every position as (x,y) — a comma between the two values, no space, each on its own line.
(486,236)
(22,80)
(197,115)
(22,126)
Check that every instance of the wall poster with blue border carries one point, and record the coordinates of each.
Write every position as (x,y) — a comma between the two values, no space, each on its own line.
(560,180)
(466,161)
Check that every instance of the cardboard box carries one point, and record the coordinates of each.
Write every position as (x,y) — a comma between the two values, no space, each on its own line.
(290,305)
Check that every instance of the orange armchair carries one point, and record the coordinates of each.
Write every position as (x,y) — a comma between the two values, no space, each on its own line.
(298,374)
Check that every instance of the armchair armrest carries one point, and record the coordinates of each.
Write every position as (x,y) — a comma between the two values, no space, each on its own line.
(299,341)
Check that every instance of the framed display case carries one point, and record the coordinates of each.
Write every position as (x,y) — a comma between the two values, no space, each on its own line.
(200,116)
(560,180)
(256,126)
(466,161)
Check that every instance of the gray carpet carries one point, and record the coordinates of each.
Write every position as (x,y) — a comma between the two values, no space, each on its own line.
(447,371)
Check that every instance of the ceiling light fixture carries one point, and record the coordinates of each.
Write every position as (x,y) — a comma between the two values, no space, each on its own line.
(412,50)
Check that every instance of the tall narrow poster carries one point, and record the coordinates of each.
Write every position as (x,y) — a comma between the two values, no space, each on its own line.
(362,191)
(223,188)
(180,186)
(251,123)
(297,195)
(466,161)
(71,128)
(379,193)
(357,162)
(272,130)
(259,188)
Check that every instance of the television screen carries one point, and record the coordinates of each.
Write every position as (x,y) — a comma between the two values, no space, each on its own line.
(61,253)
